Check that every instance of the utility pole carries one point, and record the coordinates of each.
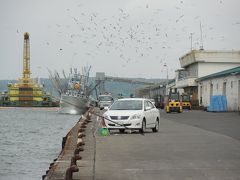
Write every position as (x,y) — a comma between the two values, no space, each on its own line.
(165,65)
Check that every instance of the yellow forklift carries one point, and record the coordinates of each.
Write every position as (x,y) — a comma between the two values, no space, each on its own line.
(173,103)
(186,101)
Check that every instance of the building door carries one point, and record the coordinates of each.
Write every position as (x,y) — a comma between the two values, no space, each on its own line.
(224,88)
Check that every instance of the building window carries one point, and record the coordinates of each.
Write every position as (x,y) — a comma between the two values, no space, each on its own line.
(217,86)
(231,84)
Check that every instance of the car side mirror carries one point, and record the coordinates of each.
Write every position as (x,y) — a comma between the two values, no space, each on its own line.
(147,108)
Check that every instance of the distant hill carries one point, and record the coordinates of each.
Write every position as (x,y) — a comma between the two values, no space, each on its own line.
(116,88)
(4,83)
(125,89)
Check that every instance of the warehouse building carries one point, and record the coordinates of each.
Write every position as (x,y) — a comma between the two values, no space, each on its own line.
(200,63)
(225,83)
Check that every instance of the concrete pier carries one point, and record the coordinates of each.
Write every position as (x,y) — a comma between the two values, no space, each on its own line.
(183,149)
(79,141)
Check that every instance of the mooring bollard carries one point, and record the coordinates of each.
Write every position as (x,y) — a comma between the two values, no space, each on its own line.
(84,122)
(83,126)
(74,159)
(81,135)
(77,150)
(51,165)
(88,117)
(70,171)
(80,143)
(81,130)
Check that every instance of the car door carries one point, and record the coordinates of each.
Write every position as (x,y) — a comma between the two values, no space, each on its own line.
(152,115)
(147,114)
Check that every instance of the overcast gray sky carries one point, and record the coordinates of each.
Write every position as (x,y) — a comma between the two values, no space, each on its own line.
(124,38)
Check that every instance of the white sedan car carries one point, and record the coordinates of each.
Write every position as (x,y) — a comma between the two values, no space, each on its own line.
(132,113)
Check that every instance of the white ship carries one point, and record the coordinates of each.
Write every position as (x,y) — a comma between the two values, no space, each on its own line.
(73,91)
(72,104)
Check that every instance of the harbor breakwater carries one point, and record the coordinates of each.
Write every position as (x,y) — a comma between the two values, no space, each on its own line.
(76,160)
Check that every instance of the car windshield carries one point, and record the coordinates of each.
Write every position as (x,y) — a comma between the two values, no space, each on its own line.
(127,105)
(105,98)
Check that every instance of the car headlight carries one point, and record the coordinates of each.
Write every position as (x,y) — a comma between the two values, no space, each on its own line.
(136,116)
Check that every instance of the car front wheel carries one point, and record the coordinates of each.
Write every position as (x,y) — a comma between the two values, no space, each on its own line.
(156,128)
(143,129)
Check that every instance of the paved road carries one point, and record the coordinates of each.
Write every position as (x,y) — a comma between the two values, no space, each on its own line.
(227,123)
(194,145)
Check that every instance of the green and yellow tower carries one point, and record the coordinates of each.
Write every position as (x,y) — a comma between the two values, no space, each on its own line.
(27,92)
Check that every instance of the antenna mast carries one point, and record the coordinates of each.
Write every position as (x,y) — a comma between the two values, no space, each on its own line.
(191,35)
(201,47)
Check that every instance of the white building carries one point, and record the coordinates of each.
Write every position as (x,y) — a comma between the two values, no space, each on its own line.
(225,83)
(200,63)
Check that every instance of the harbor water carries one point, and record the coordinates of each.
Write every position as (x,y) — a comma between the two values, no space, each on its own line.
(30,139)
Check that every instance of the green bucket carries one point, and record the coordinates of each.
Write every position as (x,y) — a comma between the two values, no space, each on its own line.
(104,132)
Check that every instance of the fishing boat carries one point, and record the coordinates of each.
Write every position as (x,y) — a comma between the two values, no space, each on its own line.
(73,90)
(75,99)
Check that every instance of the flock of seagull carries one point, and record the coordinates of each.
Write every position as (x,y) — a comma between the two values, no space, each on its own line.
(130,39)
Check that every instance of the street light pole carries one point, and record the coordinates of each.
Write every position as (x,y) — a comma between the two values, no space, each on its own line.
(165,65)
